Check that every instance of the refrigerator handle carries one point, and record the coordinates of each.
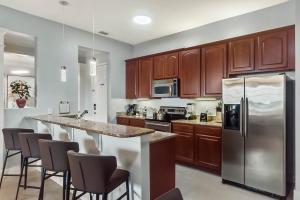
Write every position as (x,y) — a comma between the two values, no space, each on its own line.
(246,116)
(241,116)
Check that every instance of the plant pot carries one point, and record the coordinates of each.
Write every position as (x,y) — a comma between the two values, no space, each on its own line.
(21,103)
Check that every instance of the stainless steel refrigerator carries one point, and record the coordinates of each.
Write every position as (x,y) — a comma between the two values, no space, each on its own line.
(254,132)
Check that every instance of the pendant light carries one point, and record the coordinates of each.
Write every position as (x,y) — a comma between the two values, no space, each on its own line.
(93,61)
(63,68)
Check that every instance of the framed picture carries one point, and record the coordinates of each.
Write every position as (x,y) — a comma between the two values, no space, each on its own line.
(11,98)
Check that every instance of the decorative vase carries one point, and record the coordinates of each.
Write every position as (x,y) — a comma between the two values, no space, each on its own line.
(219,117)
(21,103)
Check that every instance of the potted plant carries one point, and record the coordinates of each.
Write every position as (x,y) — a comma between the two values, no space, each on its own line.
(21,89)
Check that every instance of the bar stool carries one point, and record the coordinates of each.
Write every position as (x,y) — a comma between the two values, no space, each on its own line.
(173,194)
(96,175)
(11,142)
(55,159)
(30,150)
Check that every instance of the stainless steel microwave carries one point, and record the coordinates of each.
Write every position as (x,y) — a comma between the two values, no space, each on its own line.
(165,88)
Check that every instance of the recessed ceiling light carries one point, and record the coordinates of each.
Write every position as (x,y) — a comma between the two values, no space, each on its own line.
(103,33)
(142,20)
(64,3)
(19,72)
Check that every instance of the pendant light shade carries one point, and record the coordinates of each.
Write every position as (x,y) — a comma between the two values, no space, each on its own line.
(93,67)
(63,74)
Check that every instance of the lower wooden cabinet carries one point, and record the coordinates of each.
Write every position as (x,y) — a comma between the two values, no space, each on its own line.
(131,121)
(199,146)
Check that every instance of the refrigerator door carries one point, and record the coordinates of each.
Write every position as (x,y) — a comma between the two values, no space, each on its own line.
(232,134)
(265,133)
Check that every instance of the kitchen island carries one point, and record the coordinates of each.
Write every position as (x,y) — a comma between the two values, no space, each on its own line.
(148,155)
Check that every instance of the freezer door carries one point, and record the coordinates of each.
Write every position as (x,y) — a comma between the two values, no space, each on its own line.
(265,133)
(232,134)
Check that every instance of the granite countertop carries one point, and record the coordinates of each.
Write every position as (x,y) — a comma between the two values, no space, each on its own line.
(160,136)
(131,117)
(95,127)
(197,122)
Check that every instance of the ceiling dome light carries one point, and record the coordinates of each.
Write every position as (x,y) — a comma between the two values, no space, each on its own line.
(143,20)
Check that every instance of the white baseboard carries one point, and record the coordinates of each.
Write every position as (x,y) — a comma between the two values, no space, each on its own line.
(296,194)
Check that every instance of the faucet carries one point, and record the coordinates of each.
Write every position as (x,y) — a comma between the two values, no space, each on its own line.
(79,116)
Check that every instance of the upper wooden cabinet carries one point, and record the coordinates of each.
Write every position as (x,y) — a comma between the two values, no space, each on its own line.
(275,49)
(145,77)
(165,66)
(189,73)
(213,69)
(132,79)
(241,55)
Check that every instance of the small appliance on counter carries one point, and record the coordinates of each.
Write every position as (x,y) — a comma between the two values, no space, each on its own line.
(64,107)
(203,117)
(131,109)
(190,111)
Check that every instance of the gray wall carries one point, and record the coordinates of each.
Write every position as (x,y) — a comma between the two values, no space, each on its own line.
(273,17)
(49,53)
(297,15)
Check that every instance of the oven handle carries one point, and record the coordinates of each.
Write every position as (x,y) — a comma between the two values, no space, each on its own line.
(155,124)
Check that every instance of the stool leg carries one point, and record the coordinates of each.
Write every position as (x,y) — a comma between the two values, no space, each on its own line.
(26,170)
(127,189)
(64,185)
(20,179)
(41,194)
(21,162)
(3,168)
(68,185)
(97,196)
(74,194)
(104,197)
(91,196)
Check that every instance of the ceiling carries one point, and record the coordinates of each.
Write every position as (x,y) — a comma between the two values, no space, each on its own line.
(115,16)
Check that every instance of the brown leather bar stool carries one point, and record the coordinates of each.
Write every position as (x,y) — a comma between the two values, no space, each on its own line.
(173,194)
(11,142)
(96,175)
(30,150)
(55,159)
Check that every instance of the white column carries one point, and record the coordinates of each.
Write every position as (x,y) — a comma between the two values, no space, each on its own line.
(2,33)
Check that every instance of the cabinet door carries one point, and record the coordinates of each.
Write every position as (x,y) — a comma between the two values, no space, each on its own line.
(171,65)
(132,79)
(189,73)
(145,77)
(159,63)
(272,50)
(137,123)
(184,142)
(123,121)
(214,64)
(208,152)
(241,55)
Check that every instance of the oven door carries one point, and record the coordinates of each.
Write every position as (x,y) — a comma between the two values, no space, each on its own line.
(158,126)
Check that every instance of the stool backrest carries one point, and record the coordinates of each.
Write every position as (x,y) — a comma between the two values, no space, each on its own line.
(91,173)
(30,145)
(11,137)
(173,194)
(54,154)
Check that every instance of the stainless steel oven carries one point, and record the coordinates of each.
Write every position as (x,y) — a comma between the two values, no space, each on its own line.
(165,88)
(158,126)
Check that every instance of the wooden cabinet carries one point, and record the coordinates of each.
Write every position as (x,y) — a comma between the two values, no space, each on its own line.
(132,79)
(165,66)
(213,69)
(273,50)
(199,146)
(208,147)
(241,55)
(145,77)
(127,121)
(184,142)
(189,73)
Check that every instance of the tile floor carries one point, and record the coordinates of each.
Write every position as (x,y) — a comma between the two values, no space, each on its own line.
(194,184)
